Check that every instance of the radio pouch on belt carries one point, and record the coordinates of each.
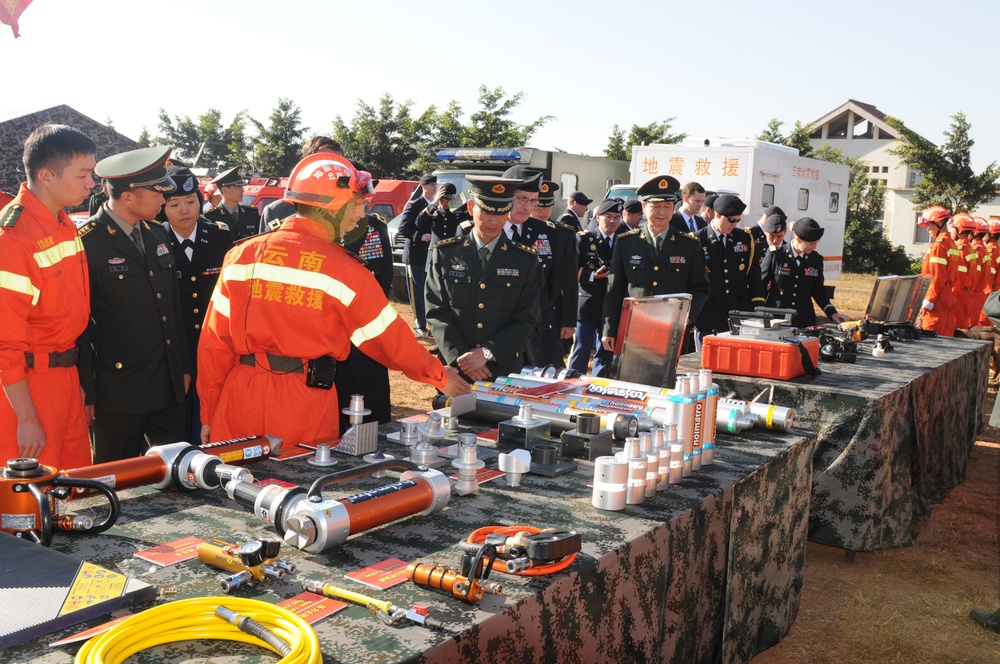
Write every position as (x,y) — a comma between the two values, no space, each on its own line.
(321,373)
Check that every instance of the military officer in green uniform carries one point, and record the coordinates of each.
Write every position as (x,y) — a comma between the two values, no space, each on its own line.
(482,288)
(654,259)
(792,275)
(134,362)
(243,220)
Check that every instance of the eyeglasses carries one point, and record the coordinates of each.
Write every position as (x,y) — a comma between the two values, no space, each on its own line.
(733,220)
(524,200)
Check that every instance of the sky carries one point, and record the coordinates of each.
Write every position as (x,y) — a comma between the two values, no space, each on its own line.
(721,68)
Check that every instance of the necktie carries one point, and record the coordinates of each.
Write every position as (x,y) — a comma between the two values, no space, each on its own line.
(798,261)
(188,247)
(515,235)
(659,243)
(137,240)
(692,225)
(484,257)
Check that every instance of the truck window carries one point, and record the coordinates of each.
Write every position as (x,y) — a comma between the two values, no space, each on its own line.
(803,199)
(920,234)
(568,183)
(767,195)
(834,201)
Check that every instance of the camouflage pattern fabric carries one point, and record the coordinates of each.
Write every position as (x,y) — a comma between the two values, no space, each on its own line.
(708,571)
(894,434)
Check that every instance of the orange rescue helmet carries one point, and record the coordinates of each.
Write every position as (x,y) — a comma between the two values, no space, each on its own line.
(323,180)
(981,225)
(964,222)
(935,215)
(994,225)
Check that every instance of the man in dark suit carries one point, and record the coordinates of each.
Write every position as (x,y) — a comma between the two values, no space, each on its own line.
(576,209)
(686,219)
(596,249)
(199,247)
(418,242)
(792,275)
(242,220)
(733,269)
(482,289)
(134,362)
(654,259)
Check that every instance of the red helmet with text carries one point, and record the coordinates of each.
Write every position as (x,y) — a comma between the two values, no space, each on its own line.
(323,180)
(981,225)
(935,215)
(964,222)
(994,225)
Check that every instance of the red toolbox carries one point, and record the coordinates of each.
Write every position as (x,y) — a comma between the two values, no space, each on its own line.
(743,356)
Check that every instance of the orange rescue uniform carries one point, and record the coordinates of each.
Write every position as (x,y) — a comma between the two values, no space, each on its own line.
(293,293)
(967,263)
(990,252)
(44,308)
(936,266)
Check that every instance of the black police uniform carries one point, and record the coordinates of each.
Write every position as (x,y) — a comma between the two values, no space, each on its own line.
(543,346)
(244,223)
(134,354)
(794,285)
(595,252)
(495,308)
(639,270)
(360,374)
(734,273)
(196,280)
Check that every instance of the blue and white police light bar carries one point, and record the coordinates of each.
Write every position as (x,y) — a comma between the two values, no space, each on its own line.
(478,154)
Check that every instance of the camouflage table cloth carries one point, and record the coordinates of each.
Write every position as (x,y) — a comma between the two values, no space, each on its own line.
(709,571)
(894,434)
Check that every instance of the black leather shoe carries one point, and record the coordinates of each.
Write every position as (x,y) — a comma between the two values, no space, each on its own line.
(990,621)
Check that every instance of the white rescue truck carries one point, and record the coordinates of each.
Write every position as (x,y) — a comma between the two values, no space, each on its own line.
(762,174)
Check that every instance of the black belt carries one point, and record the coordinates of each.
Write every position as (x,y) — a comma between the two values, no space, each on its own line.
(277,363)
(65,359)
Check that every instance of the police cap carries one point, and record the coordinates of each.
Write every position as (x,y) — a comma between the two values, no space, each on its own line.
(229,178)
(429,178)
(729,206)
(660,189)
(531,179)
(807,229)
(775,223)
(144,168)
(493,195)
(613,205)
(710,200)
(581,198)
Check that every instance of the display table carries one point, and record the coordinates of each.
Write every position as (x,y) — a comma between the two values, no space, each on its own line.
(709,571)
(894,434)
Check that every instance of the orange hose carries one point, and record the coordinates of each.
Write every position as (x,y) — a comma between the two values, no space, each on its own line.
(478,536)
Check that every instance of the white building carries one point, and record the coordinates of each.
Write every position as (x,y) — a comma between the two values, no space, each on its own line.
(860,130)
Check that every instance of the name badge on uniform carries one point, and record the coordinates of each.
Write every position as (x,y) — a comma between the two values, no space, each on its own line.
(812,272)
(678,259)
(784,269)
(635,260)
(458,269)
(508,272)
(161,249)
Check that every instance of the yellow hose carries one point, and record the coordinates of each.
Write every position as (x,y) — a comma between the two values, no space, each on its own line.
(195,620)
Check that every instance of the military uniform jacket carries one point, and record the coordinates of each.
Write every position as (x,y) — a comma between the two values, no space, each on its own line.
(441,224)
(376,251)
(417,254)
(792,286)
(760,244)
(569,218)
(134,354)
(244,224)
(734,273)
(564,309)
(594,252)
(196,278)
(542,237)
(638,270)
(468,307)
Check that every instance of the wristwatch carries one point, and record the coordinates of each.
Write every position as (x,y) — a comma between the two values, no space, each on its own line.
(488,354)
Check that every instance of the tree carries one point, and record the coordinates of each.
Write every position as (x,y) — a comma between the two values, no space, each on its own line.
(866,248)
(616,145)
(947,175)
(798,139)
(145,140)
(204,141)
(655,132)
(491,126)
(386,140)
(278,146)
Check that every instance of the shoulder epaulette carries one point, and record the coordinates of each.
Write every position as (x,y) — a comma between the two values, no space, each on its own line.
(87,227)
(551,224)
(634,231)
(10,217)
(154,222)
(466,226)
(221,225)
(275,224)
(375,216)
(565,227)
(449,241)
(527,250)
(582,233)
